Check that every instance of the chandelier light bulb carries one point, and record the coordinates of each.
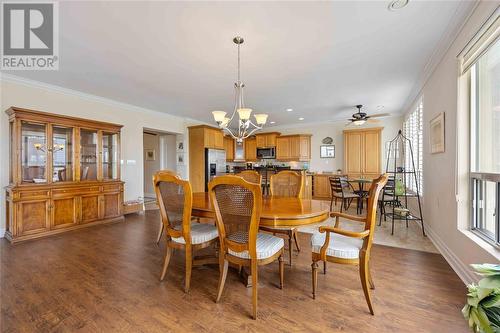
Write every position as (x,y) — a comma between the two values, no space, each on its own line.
(219,115)
(244,114)
(260,118)
(225,122)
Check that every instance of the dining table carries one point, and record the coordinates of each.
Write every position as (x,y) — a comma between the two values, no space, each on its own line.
(361,189)
(276,212)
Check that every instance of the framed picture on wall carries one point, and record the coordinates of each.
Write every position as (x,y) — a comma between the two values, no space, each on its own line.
(327,151)
(150,154)
(437,134)
(180,159)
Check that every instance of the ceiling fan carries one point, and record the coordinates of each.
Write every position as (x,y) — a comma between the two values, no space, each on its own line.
(359,118)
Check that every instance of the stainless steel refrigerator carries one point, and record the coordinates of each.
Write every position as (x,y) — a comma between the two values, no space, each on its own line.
(215,164)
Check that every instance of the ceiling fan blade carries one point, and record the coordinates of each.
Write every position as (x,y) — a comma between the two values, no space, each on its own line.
(373,121)
(380,115)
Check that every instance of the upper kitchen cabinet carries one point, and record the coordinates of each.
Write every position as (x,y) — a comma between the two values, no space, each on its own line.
(229,148)
(265,140)
(293,147)
(250,149)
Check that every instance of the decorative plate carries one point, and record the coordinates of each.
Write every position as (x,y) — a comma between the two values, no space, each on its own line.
(327,141)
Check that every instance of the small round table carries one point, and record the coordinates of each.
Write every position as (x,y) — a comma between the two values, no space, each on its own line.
(361,192)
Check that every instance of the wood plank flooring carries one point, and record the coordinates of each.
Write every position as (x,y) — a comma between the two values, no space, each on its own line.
(105,279)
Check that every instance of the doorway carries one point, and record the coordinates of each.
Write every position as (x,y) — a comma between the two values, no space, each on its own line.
(159,154)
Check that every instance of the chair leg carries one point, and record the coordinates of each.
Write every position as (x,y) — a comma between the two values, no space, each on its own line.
(223,265)
(189,265)
(370,280)
(296,239)
(281,262)
(314,267)
(160,232)
(168,254)
(255,287)
(324,267)
(363,274)
(331,204)
(290,239)
(342,204)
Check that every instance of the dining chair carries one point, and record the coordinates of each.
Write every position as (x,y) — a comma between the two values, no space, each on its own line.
(162,227)
(237,204)
(387,198)
(343,190)
(286,183)
(251,176)
(175,199)
(337,245)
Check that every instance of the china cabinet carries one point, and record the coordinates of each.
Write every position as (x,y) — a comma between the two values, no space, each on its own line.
(64,174)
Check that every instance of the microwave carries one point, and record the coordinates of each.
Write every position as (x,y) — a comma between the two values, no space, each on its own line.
(266,153)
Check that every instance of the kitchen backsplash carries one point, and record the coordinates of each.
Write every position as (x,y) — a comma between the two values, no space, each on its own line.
(293,165)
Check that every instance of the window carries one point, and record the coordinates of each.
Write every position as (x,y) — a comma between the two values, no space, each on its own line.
(412,129)
(485,143)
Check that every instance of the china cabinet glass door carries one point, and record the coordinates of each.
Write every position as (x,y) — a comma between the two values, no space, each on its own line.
(62,154)
(88,154)
(33,152)
(109,155)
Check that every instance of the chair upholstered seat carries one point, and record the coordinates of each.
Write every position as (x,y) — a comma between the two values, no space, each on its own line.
(267,245)
(340,246)
(200,233)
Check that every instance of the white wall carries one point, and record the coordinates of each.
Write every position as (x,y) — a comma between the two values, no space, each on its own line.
(441,210)
(33,95)
(334,130)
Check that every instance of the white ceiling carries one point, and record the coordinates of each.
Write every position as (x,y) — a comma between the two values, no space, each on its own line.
(319,58)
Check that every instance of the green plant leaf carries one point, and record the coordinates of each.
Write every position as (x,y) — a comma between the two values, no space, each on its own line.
(491,301)
(484,322)
(487,269)
(492,282)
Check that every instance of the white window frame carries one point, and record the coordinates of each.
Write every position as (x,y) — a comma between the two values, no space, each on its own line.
(470,55)
(413,130)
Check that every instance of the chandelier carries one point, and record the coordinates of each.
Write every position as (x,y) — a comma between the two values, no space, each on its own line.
(245,126)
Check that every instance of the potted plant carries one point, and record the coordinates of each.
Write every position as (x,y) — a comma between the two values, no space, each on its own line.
(483,300)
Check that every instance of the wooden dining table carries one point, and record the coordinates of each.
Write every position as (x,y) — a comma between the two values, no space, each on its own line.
(276,211)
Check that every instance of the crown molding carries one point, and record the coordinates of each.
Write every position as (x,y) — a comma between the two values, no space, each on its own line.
(462,14)
(90,97)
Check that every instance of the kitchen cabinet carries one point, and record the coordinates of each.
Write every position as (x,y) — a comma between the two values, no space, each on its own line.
(321,186)
(229,148)
(265,140)
(293,147)
(201,137)
(362,152)
(250,149)
(213,138)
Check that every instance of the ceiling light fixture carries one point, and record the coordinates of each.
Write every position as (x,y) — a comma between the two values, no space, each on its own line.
(397,4)
(301,118)
(289,110)
(273,122)
(245,126)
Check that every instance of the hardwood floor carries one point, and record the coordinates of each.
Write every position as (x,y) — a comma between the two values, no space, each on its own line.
(106,279)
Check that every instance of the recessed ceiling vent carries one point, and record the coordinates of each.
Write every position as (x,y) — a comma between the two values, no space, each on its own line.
(397,4)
